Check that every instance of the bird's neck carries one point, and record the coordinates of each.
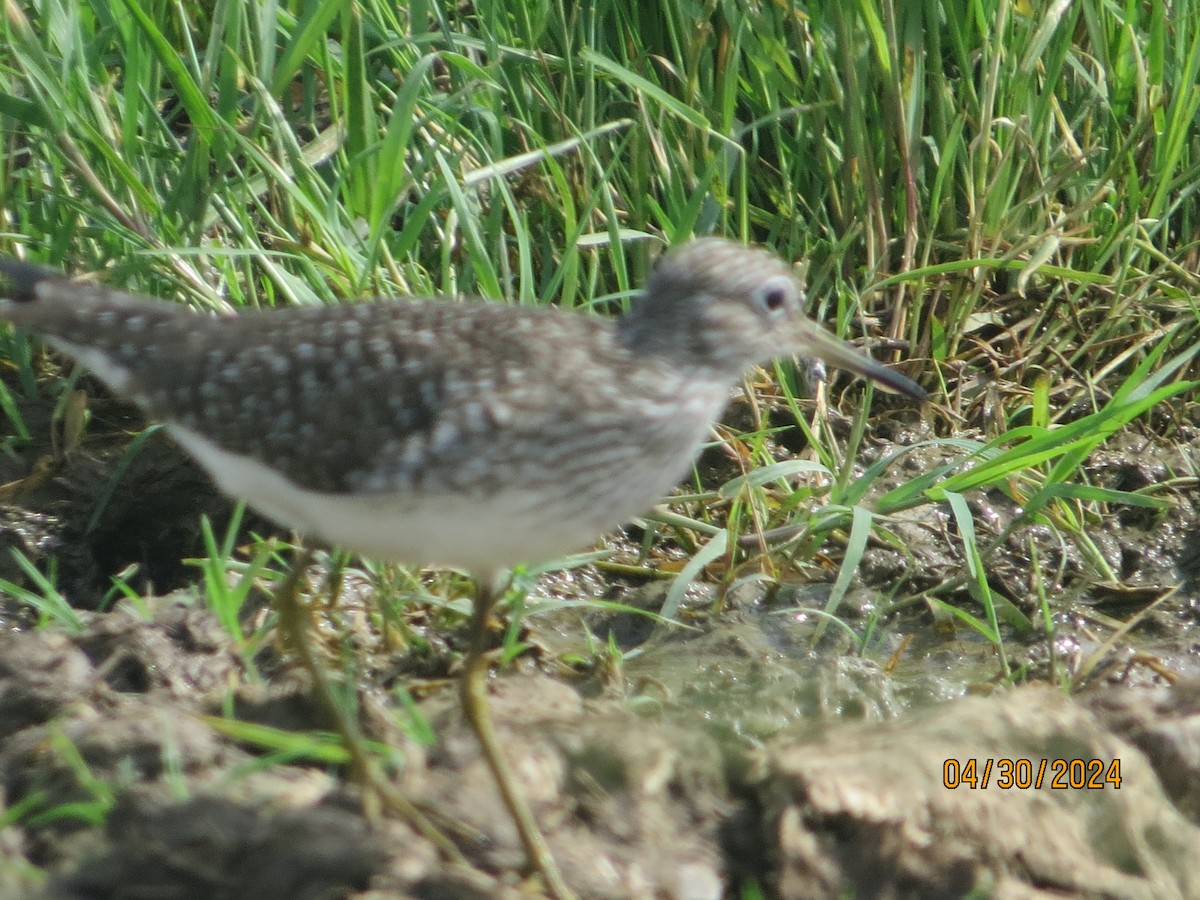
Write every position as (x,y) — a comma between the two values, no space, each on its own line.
(684,346)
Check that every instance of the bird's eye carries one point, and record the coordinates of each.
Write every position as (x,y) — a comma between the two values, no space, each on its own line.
(775,296)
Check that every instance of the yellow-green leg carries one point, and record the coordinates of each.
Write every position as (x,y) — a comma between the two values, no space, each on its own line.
(377,791)
(473,687)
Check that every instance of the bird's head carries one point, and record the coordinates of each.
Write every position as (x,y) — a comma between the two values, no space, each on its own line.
(722,306)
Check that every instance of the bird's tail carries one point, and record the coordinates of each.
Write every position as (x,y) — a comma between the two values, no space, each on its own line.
(19,280)
(87,321)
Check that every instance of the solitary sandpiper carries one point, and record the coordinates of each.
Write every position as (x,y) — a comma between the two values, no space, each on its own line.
(471,435)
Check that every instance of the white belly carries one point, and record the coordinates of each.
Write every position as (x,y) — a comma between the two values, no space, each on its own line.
(481,535)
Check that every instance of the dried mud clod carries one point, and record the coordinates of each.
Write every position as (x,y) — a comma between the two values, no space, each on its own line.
(632,806)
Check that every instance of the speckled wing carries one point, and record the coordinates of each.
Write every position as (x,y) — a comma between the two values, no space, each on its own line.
(372,397)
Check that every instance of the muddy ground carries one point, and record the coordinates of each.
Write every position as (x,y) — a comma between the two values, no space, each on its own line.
(738,757)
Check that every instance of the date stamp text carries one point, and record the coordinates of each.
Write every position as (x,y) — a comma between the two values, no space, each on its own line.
(1021,774)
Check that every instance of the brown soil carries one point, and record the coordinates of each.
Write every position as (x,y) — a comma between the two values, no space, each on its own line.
(709,763)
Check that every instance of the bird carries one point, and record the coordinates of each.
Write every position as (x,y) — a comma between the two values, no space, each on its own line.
(470,435)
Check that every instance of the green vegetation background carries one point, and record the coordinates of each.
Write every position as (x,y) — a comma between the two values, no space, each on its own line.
(304,152)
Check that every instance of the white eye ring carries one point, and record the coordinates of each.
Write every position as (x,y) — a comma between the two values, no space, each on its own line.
(776,297)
